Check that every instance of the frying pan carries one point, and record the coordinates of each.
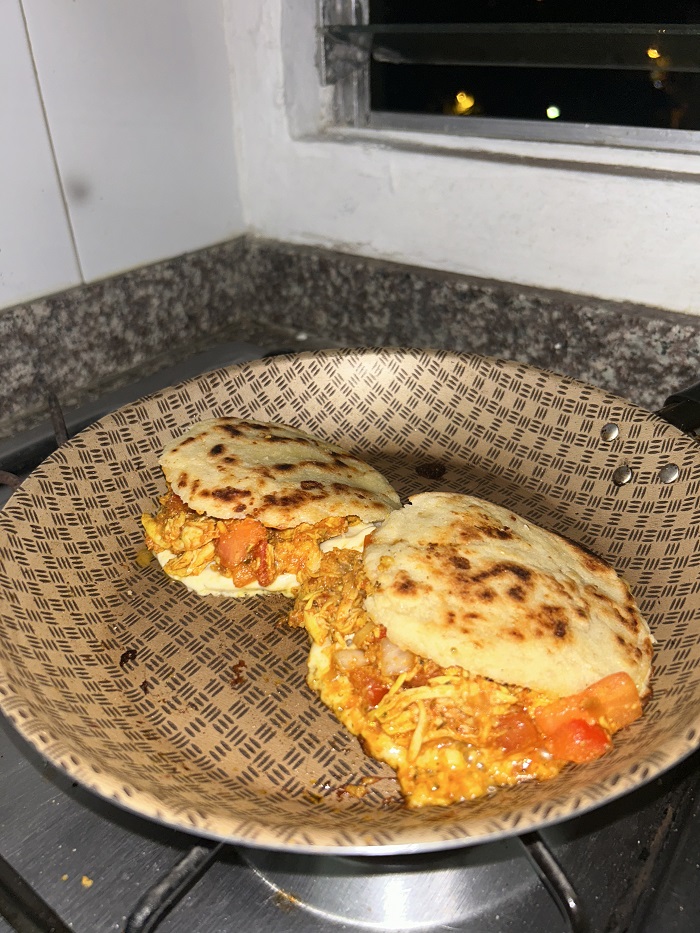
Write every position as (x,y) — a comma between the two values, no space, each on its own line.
(194,711)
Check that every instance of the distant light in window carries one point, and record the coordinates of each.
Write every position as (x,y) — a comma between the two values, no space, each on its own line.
(463,103)
(653,52)
(553,112)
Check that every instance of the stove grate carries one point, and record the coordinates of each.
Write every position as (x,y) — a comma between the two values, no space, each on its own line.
(160,899)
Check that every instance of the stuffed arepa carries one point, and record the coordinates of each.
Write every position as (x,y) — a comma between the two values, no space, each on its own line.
(471,650)
(464,581)
(250,506)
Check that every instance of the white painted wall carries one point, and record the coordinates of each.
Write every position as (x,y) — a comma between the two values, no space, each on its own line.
(140,143)
(36,252)
(443,203)
(170,125)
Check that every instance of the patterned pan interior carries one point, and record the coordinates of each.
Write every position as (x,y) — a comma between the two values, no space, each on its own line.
(194,712)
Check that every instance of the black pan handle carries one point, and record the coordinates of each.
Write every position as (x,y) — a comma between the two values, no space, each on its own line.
(682,409)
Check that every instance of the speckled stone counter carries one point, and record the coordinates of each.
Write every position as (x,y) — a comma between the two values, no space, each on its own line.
(102,335)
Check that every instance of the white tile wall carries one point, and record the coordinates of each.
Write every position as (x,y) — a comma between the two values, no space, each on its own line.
(138,105)
(36,252)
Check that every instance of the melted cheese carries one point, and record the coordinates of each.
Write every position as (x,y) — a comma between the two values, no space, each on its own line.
(209,582)
(352,540)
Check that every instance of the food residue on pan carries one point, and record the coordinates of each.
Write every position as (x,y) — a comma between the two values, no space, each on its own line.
(237,676)
(358,789)
(285,901)
(432,469)
(143,557)
(127,657)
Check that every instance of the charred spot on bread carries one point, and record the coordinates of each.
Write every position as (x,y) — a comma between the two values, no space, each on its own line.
(230,429)
(503,567)
(503,534)
(286,499)
(405,585)
(310,484)
(459,562)
(283,439)
(226,493)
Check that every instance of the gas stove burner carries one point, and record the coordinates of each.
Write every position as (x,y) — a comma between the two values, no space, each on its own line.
(468,889)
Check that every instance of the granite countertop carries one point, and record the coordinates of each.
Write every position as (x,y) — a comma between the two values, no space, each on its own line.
(105,334)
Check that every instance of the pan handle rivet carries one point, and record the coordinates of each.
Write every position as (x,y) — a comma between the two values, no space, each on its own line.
(669,473)
(622,475)
(609,432)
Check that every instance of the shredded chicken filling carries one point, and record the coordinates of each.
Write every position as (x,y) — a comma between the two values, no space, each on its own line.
(242,549)
(450,735)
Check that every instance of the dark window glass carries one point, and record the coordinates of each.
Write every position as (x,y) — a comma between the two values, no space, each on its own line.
(602,61)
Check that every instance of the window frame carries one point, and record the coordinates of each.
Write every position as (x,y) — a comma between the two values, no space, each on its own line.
(344,71)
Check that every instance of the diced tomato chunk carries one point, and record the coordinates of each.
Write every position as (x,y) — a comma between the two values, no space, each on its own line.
(613,700)
(553,716)
(515,732)
(239,540)
(265,573)
(368,686)
(375,693)
(578,741)
(619,699)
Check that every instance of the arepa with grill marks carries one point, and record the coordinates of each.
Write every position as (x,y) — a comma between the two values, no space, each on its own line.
(466,582)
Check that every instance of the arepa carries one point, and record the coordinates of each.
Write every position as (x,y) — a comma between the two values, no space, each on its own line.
(250,505)
(471,650)
(463,581)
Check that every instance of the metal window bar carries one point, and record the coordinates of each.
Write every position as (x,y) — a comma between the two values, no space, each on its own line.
(624,46)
